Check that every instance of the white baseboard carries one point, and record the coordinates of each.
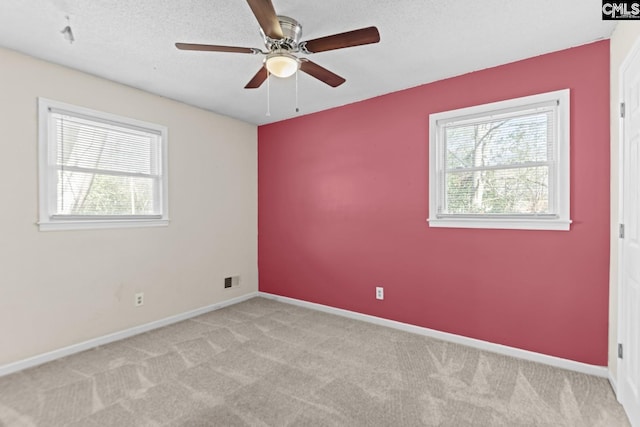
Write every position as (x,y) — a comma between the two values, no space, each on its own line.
(599,371)
(613,382)
(116,336)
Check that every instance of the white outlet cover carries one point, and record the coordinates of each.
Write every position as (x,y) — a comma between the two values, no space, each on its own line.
(138,299)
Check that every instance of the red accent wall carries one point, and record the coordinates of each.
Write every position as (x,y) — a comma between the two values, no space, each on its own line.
(343,202)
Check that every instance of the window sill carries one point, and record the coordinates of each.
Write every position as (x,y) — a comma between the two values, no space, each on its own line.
(100,224)
(502,223)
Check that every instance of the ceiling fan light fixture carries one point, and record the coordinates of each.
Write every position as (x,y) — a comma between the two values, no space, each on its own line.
(282,64)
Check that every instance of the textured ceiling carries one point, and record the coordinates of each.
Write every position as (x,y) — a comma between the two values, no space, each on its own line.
(132,42)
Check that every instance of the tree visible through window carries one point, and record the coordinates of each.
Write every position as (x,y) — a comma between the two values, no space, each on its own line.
(503,162)
(499,166)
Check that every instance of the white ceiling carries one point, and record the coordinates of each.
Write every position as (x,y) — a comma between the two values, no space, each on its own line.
(132,42)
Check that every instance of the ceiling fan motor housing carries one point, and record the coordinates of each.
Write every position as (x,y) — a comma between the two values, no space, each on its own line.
(291,32)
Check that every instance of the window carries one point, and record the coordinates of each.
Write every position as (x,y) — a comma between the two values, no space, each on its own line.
(99,170)
(501,165)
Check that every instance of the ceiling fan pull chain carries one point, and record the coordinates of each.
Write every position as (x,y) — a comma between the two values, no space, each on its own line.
(268,94)
(297,109)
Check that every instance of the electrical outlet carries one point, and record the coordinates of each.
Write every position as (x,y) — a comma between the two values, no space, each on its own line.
(379,292)
(138,299)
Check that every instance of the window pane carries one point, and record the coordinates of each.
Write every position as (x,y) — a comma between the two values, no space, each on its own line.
(501,191)
(82,193)
(510,141)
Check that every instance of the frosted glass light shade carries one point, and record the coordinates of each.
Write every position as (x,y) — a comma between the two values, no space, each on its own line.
(282,64)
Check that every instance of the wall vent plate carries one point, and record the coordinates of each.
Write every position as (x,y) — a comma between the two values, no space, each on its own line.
(231,282)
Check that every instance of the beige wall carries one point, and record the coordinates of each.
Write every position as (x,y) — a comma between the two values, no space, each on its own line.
(59,288)
(623,39)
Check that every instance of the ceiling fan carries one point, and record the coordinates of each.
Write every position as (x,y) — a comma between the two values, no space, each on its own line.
(281,36)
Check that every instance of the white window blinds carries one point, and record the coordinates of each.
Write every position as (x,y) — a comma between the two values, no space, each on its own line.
(105,169)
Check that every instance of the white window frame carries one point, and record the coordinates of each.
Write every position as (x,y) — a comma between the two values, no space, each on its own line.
(559,186)
(48,173)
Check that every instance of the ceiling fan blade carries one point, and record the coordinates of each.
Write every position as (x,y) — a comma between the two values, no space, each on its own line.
(258,79)
(214,48)
(321,73)
(267,18)
(338,41)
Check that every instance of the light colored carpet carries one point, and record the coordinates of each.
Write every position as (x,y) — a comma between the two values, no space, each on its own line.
(266,363)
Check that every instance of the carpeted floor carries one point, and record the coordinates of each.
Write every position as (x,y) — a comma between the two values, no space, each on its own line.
(265,363)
